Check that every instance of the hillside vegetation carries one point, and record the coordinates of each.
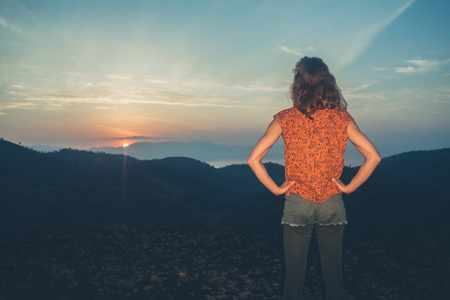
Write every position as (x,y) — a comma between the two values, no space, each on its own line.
(73,188)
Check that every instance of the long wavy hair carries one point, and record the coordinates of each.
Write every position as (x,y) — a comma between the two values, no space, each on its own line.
(314,87)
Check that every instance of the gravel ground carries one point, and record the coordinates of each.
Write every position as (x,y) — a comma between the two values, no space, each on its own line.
(143,263)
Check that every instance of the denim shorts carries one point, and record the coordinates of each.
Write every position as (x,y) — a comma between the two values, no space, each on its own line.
(302,212)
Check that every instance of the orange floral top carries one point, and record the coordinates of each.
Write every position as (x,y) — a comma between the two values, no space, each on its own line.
(314,151)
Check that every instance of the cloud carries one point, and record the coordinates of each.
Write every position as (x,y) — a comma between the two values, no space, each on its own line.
(363,92)
(296,51)
(164,84)
(364,38)
(445,89)
(122,89)
(7,25)
(255,88)
(56,101)
(422,66)
(378,68)
(355,90)
(21,105)
(134,138)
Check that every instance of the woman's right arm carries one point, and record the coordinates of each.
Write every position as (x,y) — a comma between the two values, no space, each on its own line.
(263,146)
(370,153)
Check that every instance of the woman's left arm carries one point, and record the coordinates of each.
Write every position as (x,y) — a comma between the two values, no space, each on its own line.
(261,148)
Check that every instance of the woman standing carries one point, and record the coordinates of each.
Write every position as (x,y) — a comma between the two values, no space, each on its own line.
(315,132)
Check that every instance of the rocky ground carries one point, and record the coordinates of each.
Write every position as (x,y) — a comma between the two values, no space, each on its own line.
(142,263)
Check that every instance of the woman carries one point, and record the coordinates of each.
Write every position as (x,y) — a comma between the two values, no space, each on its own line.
(315,132)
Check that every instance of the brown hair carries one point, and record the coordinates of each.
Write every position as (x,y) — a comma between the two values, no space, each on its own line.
(314,87)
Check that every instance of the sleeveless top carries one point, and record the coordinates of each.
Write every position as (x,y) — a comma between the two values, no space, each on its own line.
(314,150)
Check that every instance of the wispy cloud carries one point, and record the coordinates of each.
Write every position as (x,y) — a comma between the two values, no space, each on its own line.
(255,88)
(204,85)
(296,51)
(422,66)
(115,90)
(4,23)
(134,138)
(358,88)
(378,68)
(21,105)
(57,101)
(362,92)
(365,37)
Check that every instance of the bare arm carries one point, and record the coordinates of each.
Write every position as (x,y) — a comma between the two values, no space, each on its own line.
(261,148)
(370,153)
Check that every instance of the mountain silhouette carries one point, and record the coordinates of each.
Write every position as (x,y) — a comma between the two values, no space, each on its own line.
(199,150)
(74,188)
(429,168)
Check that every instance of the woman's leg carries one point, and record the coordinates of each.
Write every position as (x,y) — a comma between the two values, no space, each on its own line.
(296,246)
(329,238)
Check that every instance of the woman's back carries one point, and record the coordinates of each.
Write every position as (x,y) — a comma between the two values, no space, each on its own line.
(314,150)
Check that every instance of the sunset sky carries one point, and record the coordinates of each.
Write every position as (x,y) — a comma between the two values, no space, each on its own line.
(96,73)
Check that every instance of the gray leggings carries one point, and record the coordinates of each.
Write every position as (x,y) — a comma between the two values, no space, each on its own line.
(296,245)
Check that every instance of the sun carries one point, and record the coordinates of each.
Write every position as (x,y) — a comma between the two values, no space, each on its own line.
(125,145)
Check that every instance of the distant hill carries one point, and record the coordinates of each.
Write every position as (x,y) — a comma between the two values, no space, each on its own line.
(70,188)
(199,150)
(431,168)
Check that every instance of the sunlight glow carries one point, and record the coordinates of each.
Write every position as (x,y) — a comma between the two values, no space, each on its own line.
(125,145)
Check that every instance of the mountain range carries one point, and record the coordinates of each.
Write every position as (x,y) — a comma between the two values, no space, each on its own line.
(199,150)
(75,188)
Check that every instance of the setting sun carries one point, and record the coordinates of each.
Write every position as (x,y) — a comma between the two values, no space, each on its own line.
(125,145)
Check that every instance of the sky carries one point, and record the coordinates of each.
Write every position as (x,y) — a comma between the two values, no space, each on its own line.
(81,74)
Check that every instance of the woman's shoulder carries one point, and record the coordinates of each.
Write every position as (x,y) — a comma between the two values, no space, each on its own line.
(336,111)
(287,112)
(340,114)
